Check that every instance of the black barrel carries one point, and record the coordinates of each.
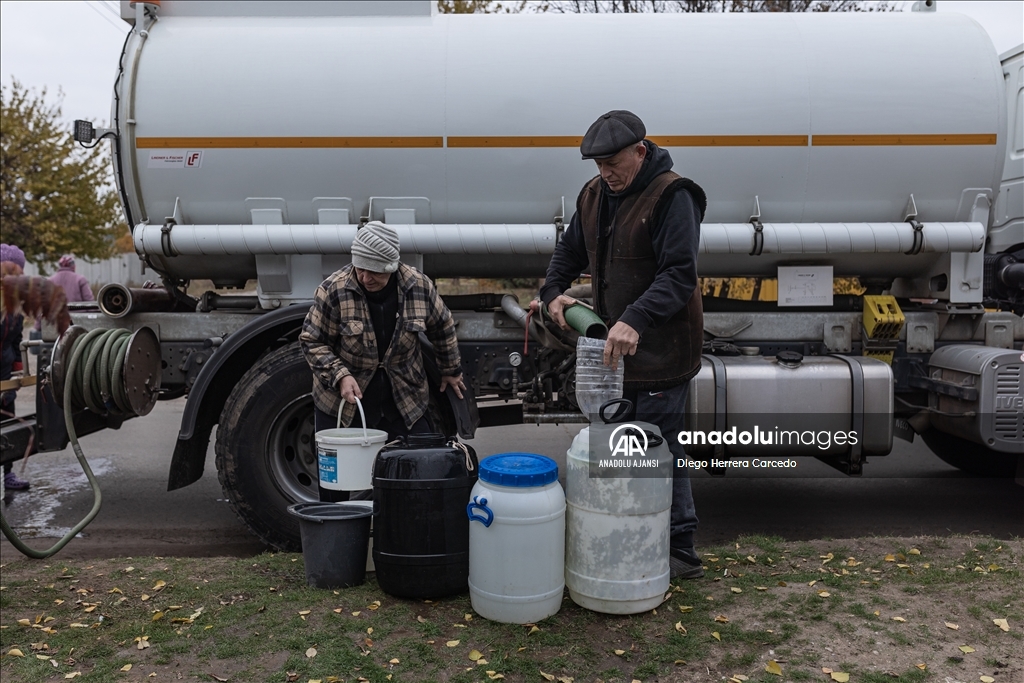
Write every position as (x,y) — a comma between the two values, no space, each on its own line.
(420,530)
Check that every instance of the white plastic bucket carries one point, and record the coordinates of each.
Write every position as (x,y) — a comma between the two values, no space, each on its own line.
(617,529)
(516,545)
(345,454)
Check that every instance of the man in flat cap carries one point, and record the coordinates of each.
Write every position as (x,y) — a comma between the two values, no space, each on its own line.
(361,339)
(636,231)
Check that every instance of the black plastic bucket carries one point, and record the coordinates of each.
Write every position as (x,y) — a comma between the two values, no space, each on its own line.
(335,538)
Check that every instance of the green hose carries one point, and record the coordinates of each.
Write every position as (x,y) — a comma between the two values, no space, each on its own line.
(585,321)
(94,380)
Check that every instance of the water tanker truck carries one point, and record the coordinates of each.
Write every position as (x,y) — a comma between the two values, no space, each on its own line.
(251,141)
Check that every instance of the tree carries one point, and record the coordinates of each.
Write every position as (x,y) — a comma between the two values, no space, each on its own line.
(57,197)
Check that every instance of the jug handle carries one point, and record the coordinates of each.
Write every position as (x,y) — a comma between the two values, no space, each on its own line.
(481,503)
(625,405)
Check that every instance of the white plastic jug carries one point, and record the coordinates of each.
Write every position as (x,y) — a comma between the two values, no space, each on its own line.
(345,454)
(517,539)
(617,518)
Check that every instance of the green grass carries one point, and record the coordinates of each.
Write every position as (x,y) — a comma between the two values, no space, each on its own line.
(259,618)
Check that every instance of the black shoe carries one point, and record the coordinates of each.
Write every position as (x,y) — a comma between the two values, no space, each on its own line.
(684,564)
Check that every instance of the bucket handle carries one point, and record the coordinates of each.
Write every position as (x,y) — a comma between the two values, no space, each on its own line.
(481,503)
(362,418)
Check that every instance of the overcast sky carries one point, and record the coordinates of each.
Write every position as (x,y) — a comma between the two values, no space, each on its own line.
(74,46)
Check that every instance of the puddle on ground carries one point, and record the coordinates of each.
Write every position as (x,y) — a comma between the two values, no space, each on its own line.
(31,513)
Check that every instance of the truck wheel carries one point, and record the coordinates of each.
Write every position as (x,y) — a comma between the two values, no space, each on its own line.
(266,454)
(970,457)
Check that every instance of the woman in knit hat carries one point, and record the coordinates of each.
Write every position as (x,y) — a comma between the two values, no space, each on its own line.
(76,286)
(361,339)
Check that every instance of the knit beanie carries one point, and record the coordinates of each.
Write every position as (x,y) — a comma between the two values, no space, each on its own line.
(9,252)
(375,248)
(67,261)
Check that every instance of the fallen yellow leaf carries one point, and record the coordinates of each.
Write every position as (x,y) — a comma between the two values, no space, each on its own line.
(356,613)
(722,619)
(158,585)
(619,652)
(418,618)
(680,628)
(761,588)
(824,594)
(826,670)
(734,589)
(453,643)
(565,679)
(782,583)
(547,677)
(679,662)
(115,589)
(15,652)
(126,667)
(304,612)
(952,626)
(533,629)
(921,666)
(840,677)
(913,551)
(890,558)
(685,608)
(966,649)
(811,583)
(393,661)
(987,679)
(899,619)
(716,635)
(73,674)
(495,676)
(144,597)
(474,655)
(773,667)
(311,652)
(1002,623)
(369,631)
(468,617)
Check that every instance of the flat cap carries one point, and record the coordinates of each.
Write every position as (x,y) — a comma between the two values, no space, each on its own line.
(612,133)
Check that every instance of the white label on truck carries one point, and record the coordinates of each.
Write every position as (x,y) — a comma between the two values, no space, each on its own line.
(176,158)
(805,285)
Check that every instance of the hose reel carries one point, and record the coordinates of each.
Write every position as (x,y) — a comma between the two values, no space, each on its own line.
(110,372)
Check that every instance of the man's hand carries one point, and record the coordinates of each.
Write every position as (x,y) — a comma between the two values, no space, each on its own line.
(454,382)
(556,308)
(350,389)
(622,340)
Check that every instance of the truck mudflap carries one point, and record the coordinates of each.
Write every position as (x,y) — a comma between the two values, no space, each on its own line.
(233,358)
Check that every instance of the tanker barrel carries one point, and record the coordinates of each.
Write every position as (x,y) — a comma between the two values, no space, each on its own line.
(117,301)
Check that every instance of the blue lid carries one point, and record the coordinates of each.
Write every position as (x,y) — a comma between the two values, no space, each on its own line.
(519,470)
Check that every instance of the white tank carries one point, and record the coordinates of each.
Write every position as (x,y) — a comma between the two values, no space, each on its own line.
(517,539)
(617,519)
(476,119)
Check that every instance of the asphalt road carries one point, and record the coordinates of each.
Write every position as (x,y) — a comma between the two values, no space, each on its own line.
(910,492)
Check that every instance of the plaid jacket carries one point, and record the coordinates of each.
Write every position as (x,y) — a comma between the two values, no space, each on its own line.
(338,340)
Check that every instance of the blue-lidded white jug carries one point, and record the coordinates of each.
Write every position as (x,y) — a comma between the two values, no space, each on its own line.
(517,539)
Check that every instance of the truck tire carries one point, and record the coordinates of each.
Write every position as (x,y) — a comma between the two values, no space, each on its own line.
(266,454)
(970,457)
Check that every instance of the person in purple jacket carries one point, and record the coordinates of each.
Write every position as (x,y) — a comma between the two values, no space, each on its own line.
(76,287)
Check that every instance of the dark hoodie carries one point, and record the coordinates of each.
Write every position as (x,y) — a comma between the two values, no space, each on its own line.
(675,235)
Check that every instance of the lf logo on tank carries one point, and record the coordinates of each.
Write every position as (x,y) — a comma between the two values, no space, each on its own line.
(625,442)
(176,158)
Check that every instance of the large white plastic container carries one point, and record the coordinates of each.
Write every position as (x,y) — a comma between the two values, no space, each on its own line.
(517,539)
(617,520)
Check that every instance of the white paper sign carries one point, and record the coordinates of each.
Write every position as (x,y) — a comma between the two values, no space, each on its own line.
(176,158)
(805,285)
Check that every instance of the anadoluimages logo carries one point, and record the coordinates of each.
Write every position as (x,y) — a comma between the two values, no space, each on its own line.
(625,441)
